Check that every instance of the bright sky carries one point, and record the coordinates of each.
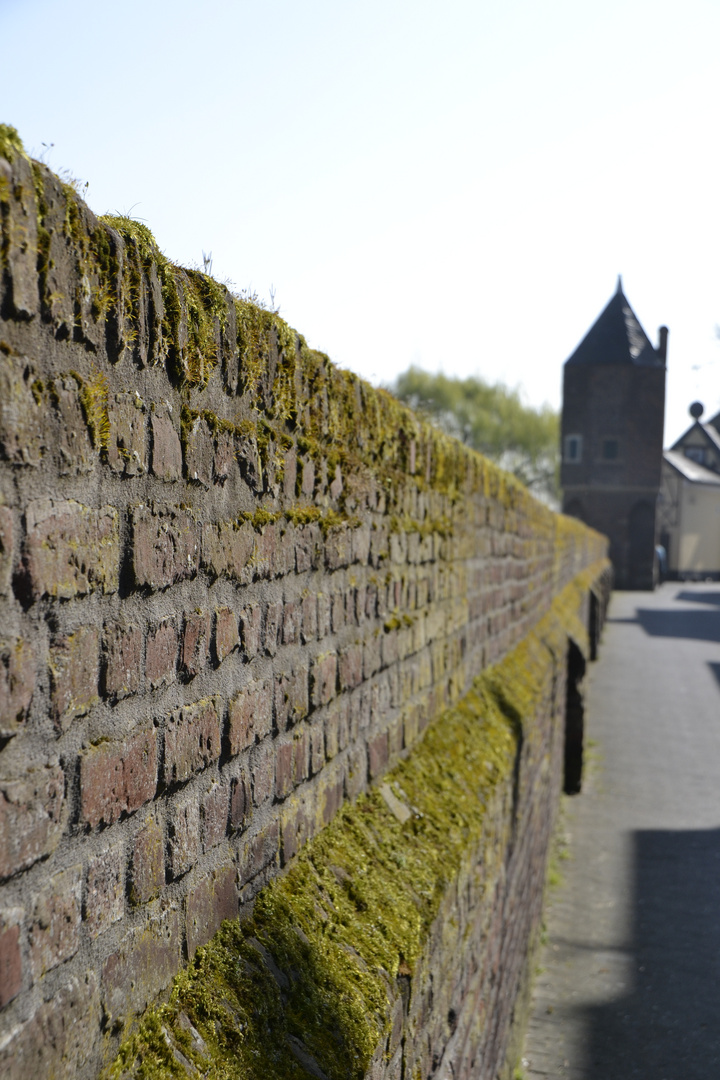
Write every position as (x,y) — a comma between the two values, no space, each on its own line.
(453,185)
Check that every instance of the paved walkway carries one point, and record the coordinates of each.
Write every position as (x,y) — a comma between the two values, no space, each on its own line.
(630,979)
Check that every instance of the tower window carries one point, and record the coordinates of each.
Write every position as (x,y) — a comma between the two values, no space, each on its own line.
(573,449)
(610,450)
(696,453)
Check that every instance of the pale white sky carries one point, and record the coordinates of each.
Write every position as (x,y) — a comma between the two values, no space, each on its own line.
(454,185)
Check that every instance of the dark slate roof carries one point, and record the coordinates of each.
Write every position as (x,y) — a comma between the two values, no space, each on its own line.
(698,474)
(616,338)
(709,431)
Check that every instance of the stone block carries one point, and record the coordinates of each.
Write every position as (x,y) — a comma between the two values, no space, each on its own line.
(284,781)
(195,643)
(250,715)
(296,828)
(309,618)
(31,818)
(372,655)
(72,443)
(165,546)
(104,902)
(227,637)
(251,629)
(240,802)
(122,648)
(350,666)
(214,815)
(224,456)
(308,541)
(7,549)
(143,965)
(17,685)
(183,835)
(70,549)
(323,615)
(211,900)
(291,698)
(323,677)
(192,740)
(147,863)
(338,548)
(166,455)
(74,674)
(317,748)
(23,413)
(262,771)
(21,237)
(161,653)
(117,777)
(127,452)
(11,969)
(292,621)
(54,931)
(199,452)
(273,627)
(227,550)
(301,756)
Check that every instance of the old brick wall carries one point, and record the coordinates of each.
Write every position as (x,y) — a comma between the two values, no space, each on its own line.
(236,584)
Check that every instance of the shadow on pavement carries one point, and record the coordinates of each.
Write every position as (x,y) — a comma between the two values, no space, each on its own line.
(664,622)
(715,668)
(699,597)
(668,1026)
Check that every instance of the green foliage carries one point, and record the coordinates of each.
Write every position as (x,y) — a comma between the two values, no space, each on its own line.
(491,419)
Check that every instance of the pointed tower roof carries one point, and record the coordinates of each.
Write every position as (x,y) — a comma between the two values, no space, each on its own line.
(616,337)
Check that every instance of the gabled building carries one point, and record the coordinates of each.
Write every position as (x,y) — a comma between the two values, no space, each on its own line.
(612,437)
(689,507)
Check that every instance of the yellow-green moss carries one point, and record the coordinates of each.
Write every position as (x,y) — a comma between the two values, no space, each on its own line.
(10,143)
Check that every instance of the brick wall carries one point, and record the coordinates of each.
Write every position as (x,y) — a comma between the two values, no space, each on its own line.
(236,585)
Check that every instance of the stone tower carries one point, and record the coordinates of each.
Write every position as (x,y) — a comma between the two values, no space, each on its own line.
(612,437)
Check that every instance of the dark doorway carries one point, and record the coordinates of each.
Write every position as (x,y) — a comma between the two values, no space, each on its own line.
(574,720)
(641,545)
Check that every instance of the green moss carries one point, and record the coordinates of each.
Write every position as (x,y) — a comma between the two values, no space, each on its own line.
(10,143)
(93,395)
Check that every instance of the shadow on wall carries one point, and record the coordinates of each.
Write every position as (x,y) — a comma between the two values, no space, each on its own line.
(668,1026)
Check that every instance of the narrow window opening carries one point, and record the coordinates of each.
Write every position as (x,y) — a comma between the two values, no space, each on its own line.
(574,720)
(573,449)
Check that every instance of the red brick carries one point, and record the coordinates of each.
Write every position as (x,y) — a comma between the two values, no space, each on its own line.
(183,836)
(273,626)
(192,740)
(249,715)
(283,769)
(301,756)
(212,900)
(336,726)
(195,642)
(123,660)
(214,815)
(23,420)
(54,933)
(31,818)
(71,549)
(291,698)
(126,451)
(240,802)
(226,633)
(283,559)
(74,674)
(296,830)
(350,664)
(324,678)
(104,902)
(262,771)
(378,754)
(372,655)
(17,685)
(227,550)
(331,795)
(10,958)
(251,629)
(118,777)
(259,852)
(292,619)
(60,1038)
(317,748)
(7,549)
(165,546)
(161,653)
(147,863)
(309,618)
(142,966)
(166,460)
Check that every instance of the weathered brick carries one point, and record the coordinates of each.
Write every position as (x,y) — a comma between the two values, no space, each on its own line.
(265,552)
(331,794)
(324,678)
(338,612)
(301,756)
(240,802)
(75,452)
(283,769)
(307,484)
(226,633)
(122,648)
(104,902)
(71,549)
(292,620)
(198,451)
(17,685)
(295,828)
(195,642)
(211,900)
(126,450)
(165,546)
(143,965)
(356,771)
(308,548)
(161,653)
(323,615)
(31,818)
(54,931)
(183,835)
(378,754)
(291,698)
(21,238)
(227,550)
(273,626)
(118,777)
(7,549)
(192,740)
(147,863)
(361,544)
(338,548)
(11,976)
(336,726)
(372,655)
(74,674)
(251,629)
(224,456)
(259,851)
(60,1038)
(262,771)
(166,459)
(214,815)
(309,618)
(350,665)
(249,715)
(23,414)
(317,748)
